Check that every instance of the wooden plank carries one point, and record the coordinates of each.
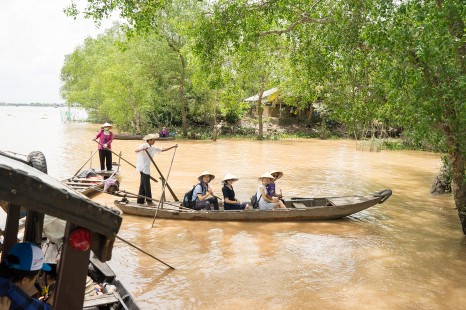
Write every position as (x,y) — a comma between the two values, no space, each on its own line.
(341,201)
(99,300)
(84,181)
(299,205)
(71,275)
(11,228)
(83,184)
(34,227)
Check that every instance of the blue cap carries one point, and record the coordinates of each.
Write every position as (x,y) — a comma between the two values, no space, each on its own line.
(31,257)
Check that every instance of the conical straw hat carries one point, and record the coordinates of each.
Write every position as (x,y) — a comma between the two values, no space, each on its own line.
(266,175)
(229,176)
(206,173)
(280,174)
(151,136)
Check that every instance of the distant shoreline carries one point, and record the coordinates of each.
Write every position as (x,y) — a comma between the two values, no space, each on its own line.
(33,104)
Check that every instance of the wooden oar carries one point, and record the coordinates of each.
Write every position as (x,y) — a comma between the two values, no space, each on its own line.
(138,248)
(119,156)
(161,176)
(165,183)
(92,154)
(132,195)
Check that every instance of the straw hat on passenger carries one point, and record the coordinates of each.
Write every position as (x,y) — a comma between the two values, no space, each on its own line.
(266,175)
(206,173)
(280,174)
(229,176)
(106,125)
(89,290)
(151,136)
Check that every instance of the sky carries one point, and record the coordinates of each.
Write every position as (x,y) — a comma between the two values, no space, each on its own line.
(35,36)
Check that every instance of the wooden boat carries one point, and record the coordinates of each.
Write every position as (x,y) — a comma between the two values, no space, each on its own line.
(298,209)
(95,183)
(89,236)
(116,293)
(124,136)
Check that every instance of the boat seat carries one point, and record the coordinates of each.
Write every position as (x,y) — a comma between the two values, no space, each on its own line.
(299,205)
(99,300)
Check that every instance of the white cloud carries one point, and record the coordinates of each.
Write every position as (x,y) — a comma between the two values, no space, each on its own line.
(35,36)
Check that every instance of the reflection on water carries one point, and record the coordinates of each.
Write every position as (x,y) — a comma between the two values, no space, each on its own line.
(406,253)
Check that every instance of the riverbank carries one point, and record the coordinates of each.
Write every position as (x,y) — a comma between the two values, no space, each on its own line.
(289,128)
(273,129)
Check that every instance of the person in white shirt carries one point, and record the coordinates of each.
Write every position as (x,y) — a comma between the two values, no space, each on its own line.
(143,166)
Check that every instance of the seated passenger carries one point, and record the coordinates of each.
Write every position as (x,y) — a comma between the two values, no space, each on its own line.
(203,195)
(19,272)
(266,203)
(46,284)
(230,202)
(271,192)
(164,133)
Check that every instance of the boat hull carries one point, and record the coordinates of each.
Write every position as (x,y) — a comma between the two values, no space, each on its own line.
(298,209)
(120,136)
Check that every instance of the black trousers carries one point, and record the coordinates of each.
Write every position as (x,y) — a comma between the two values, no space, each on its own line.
(144,188)
(206,204)
(105,155)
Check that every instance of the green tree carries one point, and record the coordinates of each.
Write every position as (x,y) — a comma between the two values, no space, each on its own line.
(128,81)
(423,45)
(167,19)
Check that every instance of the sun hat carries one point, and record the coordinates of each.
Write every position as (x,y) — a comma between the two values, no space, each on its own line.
(30,256)
(151,136)
(106,125)
(280,174)
(266,175)
(229,176)
(89,289)
(206,173)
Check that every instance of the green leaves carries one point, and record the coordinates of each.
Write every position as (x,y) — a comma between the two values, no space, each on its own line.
(125,81)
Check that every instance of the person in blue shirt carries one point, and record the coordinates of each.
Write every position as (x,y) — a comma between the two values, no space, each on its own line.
(18,273)
(203,196)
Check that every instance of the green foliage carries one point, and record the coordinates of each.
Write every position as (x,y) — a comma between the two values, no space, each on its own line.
(232,110)
(368,64)
(127,81)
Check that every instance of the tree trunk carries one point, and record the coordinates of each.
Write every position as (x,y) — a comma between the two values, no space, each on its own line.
(311,111)
(214,133)
(457,158)
(182,98)
(137,116)
(458,186)
(260,110)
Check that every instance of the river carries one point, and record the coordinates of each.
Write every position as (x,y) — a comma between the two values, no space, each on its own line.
(408,253)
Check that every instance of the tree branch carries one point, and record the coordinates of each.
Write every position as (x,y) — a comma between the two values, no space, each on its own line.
(305,19)
(302,20)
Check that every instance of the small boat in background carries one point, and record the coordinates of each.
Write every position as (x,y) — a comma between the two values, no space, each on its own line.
(90,181)
(297,209)
(124,136)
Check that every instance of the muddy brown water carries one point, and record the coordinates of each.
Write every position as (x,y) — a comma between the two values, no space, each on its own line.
(407,253)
